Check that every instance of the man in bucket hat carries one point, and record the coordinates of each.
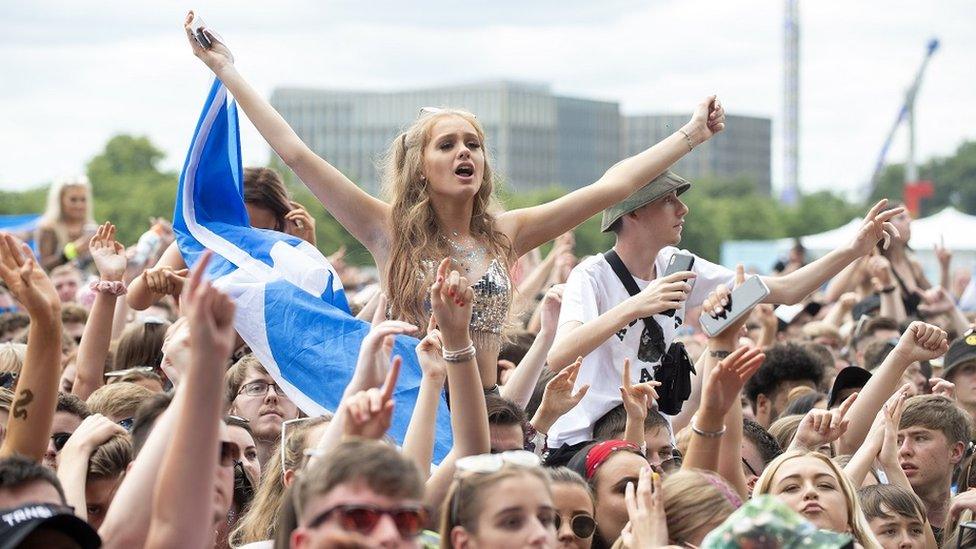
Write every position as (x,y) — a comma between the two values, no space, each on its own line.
(605,322)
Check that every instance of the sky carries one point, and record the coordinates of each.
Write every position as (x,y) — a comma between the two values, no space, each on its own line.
(76,73)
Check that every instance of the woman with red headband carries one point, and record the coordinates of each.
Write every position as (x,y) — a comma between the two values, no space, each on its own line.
(608,467)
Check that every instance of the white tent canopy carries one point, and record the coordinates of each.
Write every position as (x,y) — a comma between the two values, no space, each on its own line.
(956,229)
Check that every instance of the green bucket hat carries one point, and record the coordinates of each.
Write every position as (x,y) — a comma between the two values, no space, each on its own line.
(766,522)
(660,186)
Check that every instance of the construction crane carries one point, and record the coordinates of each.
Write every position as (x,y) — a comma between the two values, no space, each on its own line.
(907,112)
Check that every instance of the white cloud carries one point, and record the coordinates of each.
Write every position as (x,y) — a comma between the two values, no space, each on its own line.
(76,73)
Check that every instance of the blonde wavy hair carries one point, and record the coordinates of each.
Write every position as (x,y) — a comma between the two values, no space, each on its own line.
(415,234)
(692,499)
(857,523)
(261,519)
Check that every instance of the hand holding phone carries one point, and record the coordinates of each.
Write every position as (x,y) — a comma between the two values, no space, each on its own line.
(197,26)
(679,263)
(742,299)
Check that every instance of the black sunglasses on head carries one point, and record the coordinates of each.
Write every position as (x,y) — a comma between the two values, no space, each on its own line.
(583,525)
(409,520)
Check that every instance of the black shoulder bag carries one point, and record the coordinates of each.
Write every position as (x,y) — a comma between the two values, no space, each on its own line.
(675,368)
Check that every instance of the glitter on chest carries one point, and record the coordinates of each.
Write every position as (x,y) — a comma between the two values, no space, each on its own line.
(492,298)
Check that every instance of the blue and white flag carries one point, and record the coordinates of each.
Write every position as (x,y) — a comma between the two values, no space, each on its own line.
(291,308)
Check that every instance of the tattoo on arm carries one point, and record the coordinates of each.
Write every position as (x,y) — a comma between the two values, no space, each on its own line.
(20,405)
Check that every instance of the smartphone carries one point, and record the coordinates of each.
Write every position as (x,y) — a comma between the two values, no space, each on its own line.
(679,263)
(197,25)
(742,300)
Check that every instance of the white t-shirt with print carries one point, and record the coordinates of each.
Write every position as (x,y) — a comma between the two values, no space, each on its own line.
(593,289)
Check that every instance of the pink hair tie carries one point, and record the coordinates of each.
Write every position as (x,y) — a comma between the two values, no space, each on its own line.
(115,287)
(724,489)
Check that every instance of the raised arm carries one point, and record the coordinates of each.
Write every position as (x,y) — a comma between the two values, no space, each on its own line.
(530,227)
(109,257)
(574,338)
(183,506)
(792,288)
(364,216)
(523,381)
(920,342)
(418,443)
(36,395)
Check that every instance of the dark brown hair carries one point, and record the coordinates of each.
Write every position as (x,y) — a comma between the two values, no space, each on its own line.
(263,187)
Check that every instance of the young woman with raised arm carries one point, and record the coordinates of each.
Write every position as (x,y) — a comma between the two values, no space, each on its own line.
(441,188)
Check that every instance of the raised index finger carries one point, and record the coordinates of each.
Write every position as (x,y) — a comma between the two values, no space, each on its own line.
(197,275)
(846,405)
(626,374)
(391,378)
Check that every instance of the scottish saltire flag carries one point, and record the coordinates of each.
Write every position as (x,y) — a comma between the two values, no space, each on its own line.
(291,308)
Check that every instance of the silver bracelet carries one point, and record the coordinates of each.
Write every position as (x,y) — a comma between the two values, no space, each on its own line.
(691,147)
(707,434)
(462,355)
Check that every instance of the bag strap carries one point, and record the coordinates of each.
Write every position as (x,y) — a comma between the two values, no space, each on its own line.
(627,280)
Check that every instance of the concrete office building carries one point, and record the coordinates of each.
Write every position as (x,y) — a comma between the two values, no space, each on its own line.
(742,150)
(536,138)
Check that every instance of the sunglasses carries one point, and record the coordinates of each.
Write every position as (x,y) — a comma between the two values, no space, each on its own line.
(8,380)
(583,525)
(60,439)
(409,520)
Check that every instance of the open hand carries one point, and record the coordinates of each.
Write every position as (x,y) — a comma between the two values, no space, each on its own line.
(370,412)
(217,55)
(876,227)
(558,397)
(920,342)
(107,253)
(25,279)
(721,387)
(93,431)
(820,427)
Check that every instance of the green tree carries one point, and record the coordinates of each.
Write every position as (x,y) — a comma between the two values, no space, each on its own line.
(953,178)
(128,186)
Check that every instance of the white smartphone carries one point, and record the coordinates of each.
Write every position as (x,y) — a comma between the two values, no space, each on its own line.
(197,25)
(742,300)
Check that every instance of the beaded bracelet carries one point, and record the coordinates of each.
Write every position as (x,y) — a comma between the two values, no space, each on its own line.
(462,355)
(114,287)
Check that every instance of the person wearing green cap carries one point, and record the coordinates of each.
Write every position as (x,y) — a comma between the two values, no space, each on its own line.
(601,319)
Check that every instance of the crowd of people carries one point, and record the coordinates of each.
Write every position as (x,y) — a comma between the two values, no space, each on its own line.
(588,407)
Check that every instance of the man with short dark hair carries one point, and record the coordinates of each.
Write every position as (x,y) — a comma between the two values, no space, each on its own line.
(657,433)
(759,448)
(68,415)
(356,474)
(506,424)
(932,439)
(33,511)
(787,365)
